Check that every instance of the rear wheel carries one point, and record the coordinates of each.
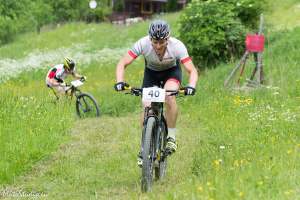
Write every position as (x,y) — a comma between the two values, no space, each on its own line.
(148,155)
(86,106)
(161,168)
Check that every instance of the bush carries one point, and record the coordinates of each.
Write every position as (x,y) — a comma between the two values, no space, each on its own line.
(249,11)
(28,15)
(14,18)
(212,32)
(7,29)
(172,5)
(119,5)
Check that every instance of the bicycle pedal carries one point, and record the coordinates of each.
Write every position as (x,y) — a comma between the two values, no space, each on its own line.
(140,162)
(169,152)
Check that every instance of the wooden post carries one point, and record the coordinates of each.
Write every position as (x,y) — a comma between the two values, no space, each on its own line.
(233,72)
(259,64)
(257,72)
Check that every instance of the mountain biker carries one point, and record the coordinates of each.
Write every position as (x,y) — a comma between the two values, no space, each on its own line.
(163,55)
(56,75)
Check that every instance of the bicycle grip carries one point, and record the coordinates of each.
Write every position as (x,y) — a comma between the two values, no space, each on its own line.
(127,87)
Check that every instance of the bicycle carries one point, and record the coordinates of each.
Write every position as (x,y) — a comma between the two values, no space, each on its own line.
(86,104)
(154,135)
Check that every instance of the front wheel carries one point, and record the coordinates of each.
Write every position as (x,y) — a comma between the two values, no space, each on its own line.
(161,168)
(148,155)
(86,106)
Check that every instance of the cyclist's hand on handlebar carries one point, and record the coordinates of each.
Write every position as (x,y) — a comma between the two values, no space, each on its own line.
(83,78)
(189,90)
(120,86)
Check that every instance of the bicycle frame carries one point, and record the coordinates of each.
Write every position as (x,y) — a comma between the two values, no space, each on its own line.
(74,92)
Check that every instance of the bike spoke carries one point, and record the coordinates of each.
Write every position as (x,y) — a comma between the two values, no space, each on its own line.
(87,106)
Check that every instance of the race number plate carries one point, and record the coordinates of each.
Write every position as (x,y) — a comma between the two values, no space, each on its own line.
(77,83)
(154,94)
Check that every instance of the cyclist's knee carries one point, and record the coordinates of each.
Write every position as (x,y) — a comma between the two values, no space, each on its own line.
(170,101)
(146,104)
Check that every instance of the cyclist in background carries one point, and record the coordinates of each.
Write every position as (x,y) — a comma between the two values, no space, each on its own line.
(57,74)
(163,55)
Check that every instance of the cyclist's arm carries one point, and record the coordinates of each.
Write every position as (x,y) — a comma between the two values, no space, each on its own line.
(76,75)
(192,71)
(54,82)
(120,70)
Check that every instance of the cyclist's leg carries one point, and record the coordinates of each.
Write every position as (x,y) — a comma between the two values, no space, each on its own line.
(57,90)
(173,80)
(171,105)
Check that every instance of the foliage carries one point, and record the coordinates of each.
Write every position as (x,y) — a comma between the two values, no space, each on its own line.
(26,15)
(14,18)
(211,32)
(7,31)
(248,11)
(214,30)
(119,5)
(172,5)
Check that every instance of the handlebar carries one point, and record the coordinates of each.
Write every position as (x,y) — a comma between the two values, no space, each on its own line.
(74,84)
(139,91)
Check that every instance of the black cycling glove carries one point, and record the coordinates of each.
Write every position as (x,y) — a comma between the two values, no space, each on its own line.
(83,78)
(189,90)
(120,86)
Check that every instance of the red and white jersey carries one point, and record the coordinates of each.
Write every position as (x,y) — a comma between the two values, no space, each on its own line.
(58,73)
(176,51)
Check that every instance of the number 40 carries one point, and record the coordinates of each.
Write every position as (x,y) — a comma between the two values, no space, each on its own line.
(154,93)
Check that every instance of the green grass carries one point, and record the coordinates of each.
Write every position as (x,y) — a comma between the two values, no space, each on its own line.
(284,14)
(95,36)
(32,124)
(232,144)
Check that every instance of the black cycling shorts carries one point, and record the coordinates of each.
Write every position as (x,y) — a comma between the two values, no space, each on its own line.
(159,78)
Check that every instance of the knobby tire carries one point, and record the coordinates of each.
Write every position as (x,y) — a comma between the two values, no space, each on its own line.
(83,105)
(148,155)
(161,167)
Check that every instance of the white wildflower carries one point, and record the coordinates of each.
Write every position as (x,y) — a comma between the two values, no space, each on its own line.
(42,59)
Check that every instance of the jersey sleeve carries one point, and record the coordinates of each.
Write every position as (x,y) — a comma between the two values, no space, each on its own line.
(137,49)
(182,53)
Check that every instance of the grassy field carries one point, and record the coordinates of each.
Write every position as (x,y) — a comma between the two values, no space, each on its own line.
(284,14)
(232,144)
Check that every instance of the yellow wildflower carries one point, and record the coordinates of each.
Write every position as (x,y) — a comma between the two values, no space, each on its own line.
(200,188)
(249,101)
(260,182)
(241,194)
(236,163)
(217,162)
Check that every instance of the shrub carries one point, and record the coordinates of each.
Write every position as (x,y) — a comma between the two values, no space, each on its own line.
(249,11)
(28,15)
(7,29)
(172,5)
(212,32)
(14,18)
